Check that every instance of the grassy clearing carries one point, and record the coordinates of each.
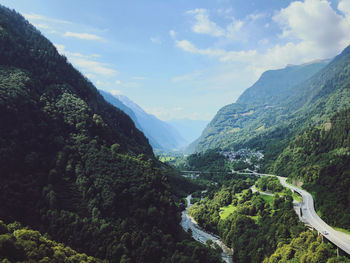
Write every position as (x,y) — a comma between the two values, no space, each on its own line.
(342,230)
(226,211)
(164,159)
(267,198)
(297,197)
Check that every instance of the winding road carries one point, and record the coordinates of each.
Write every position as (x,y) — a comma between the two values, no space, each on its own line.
(310,217)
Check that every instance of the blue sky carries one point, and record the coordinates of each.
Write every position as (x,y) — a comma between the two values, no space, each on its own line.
(187,58)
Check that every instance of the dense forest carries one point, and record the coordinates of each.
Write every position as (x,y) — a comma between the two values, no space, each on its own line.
(19,244)
(74,166)
(307,247)
(320,158)
(269,184)
(250,223)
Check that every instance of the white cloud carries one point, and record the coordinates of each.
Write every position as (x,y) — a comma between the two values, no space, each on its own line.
(45,18)
(60,48)
(315,22)
(92,66)
(41,25)
(233,28)
(84,36)
(344,6)
(178,109)
(256,16)
(118,82)
(90,76)
(203,24)
(86,63)
(311,29)
(221,54)
(172,33)
(263,41)
(156,40)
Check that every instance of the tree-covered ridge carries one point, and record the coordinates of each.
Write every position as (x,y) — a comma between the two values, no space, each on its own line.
(18,244)
(270,184)
(23,47)
(254,227)
(75,167)
(320,157)
(273,83)
(307,247)
(209,161)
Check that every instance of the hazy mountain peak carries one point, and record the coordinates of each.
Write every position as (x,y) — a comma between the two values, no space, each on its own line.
(162,136)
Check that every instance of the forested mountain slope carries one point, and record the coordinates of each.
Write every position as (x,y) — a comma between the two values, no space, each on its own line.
(320,157)
(307,247)
(19,244)
(272,83)
(76,167)
(257,110)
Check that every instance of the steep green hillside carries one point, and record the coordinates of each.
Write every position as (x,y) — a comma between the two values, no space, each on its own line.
(75,167)
(18,244)
(307,247)
(257,111)
(320,157)
(273,83)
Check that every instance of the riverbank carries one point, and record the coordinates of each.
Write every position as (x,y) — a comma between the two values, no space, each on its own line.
(199,234)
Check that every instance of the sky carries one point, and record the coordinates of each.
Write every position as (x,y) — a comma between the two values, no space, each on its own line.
(187,58)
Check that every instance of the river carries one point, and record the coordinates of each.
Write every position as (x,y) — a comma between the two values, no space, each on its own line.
(199,234)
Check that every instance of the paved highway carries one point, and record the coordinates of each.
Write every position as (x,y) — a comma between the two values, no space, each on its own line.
(310,217)
(340,239)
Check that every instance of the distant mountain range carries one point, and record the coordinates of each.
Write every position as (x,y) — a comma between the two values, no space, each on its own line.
(161,135)
(189,129)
